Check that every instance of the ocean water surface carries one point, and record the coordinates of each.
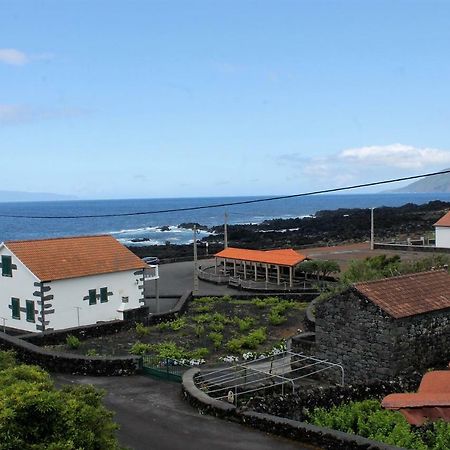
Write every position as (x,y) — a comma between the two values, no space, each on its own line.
(162,227)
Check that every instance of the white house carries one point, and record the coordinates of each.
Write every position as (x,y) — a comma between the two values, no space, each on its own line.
(443,231)
(67,282)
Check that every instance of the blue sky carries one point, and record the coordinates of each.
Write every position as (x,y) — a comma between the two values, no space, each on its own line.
(109,99)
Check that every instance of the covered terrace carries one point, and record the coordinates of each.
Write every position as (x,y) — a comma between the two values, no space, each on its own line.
(257,265)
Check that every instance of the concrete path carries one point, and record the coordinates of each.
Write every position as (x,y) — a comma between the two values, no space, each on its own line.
(176,278)
(153,416)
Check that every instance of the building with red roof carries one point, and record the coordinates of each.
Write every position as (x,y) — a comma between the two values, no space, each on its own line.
(260,264)
(442,227)
(68,282)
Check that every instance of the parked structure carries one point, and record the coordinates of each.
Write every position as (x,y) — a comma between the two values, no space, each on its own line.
(381,329)
(442,227)
(260,264)
(67,282)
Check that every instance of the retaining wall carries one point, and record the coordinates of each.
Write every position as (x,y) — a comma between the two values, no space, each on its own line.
(69,363)
(301,431)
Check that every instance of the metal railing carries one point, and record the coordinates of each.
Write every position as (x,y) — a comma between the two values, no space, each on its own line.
(264,373)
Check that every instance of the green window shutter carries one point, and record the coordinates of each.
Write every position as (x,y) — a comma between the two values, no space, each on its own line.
(30,310)
(92,296)
(103,295)
(15,304)
(6,266)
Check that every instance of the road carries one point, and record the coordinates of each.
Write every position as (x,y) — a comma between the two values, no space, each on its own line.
(153,416)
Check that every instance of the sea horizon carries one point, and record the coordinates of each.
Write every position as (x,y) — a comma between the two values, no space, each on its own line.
(159,228)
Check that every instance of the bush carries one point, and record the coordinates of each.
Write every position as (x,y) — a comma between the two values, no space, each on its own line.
(216,338)
(199,330)
(169,349)
(198,353)
(140,349)
(369,420)
(244,324)
(72,341)
(249,342)
(92,352)
(142,330)
(36,416)
(275,318)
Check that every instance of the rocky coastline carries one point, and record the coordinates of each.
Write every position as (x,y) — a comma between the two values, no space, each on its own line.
(327,227)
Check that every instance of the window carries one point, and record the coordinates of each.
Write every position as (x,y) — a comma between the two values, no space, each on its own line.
(30,310)
(92,296)
(6,266)
(124,299)
(15,306)
(103,295)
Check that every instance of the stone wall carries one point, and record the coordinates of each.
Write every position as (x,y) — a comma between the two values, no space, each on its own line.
(324,438)
(370,344)
(68,363)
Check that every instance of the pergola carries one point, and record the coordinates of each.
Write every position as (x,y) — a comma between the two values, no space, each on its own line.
(248,262)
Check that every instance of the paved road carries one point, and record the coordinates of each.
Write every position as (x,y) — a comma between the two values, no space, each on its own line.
(176,278)
(153,416)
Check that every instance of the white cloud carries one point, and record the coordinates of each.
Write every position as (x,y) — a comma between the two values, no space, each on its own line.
(14,57)
(358,165)
(396,155)
(19,114)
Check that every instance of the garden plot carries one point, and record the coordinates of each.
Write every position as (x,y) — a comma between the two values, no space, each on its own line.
(211,330)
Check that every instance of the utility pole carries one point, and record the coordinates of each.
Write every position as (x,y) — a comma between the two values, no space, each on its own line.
(195,261)
(78,313)
(225,229)
(371,230)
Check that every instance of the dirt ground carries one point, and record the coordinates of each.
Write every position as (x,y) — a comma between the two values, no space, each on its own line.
(343,254)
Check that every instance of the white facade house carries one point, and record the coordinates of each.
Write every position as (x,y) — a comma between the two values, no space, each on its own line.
(442,227)
(52,284)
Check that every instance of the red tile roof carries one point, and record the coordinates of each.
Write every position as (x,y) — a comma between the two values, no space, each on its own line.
(443,221)
(57,259)
(409,295)
(282,257)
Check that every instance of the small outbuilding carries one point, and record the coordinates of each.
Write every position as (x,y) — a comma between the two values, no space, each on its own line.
(260,264)
(442,227)
(385,328)
(52,284)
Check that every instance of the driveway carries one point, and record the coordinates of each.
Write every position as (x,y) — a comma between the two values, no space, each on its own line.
(176,278)
(153,416)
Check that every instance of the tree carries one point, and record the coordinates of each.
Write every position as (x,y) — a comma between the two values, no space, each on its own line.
(34,415)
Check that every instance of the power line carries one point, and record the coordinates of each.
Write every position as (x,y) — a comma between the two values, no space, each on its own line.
(243,202)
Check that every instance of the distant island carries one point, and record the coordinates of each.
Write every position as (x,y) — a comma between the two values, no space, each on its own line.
(22,196)
(435,184)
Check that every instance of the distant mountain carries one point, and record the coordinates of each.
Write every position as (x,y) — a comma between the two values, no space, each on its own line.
(437,184)
(19,196)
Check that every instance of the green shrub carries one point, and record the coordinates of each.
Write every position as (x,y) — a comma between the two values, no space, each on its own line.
(199,330)
(244,324)
(275,318)
(205,300)
(178,324)
(368,419)
(216,326)
(216,338)
(140,349)
(92,352)
(249,342)
(205,308)
(203,318)
(7,359)
(169,349)
(198,353)
(163,326)
(72,341)
(142,330)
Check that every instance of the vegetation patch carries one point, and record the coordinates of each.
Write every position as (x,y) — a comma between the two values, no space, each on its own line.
(368,419)
(212,328)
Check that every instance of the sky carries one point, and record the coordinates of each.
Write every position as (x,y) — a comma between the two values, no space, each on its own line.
(142,99)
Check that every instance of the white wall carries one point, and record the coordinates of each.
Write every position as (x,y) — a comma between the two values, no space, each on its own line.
(68,294)
(443,237)
(21,286)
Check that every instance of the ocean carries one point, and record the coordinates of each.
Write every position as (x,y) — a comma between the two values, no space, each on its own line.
(149,226)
